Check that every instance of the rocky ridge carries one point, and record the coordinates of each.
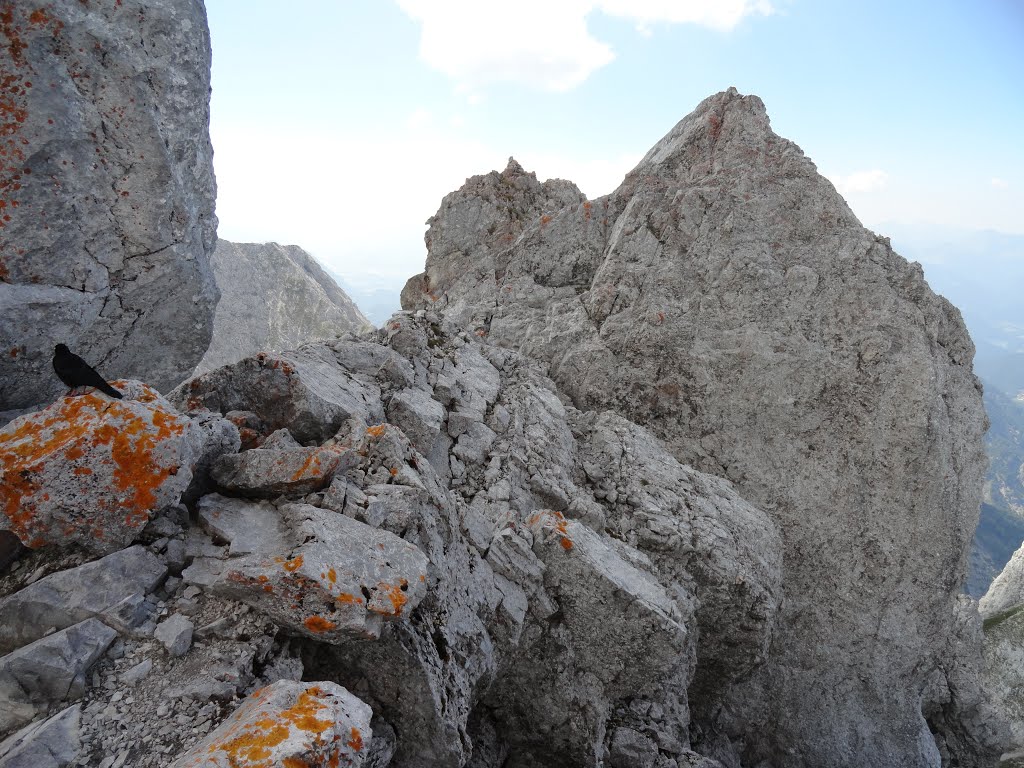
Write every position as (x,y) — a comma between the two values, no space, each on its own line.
(501,578)
(726,298)
(274,297)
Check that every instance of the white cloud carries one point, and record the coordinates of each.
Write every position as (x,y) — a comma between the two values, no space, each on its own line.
(860,181)
(717,14)
(544,44)
(535,42)
(999,183)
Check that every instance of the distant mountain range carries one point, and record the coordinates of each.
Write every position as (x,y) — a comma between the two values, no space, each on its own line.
(378,299)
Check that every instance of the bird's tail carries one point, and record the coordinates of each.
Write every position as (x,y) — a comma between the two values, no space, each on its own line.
(109,390)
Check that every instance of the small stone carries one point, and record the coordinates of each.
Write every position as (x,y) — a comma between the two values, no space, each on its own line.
(176,634)
(135,674)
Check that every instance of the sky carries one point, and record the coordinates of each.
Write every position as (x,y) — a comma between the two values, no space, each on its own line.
(339,125)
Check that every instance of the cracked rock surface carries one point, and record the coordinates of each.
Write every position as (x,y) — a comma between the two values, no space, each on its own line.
(726,298)
(106,192)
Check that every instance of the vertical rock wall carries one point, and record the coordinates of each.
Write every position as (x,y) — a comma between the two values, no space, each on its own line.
(726,297)
(106,190)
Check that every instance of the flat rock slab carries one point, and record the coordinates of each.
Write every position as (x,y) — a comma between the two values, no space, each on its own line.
(51,743)
(274,472)
(67,597)
(319,573)
(289,723)
(48,671)
(90,470)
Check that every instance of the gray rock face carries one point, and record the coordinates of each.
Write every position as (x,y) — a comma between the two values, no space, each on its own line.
(52,743)
(274,297)
(70,596)
(727,298)
(48,671)
(106,192)
(1007,590)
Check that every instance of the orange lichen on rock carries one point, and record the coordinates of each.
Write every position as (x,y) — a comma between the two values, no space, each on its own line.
(128,449)
(251,741)
(293,565)
(555,521)
(376,431)
(318,624)
(356,742)
(395,594)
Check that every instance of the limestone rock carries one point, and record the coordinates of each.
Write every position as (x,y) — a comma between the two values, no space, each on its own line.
(500,622)
(106,192)
(48,671)
(68,597)
(301,389)
(1007,590)
(322,574)
(175,634)
(50,743)
(274,297)
(268,473)
(727,298)
(1004,672)
(618,633)
(318,725)
(89,470)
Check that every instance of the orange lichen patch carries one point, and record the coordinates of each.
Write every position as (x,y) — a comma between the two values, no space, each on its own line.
(376,431)
(555,521)
(112,433)
(545,219)
(82,471)
(251,741)
(394,472)
(356,742)
(293,565)
(348,599)
(396,594)
(318,624)
(332,575)
(587,208)
(294,762)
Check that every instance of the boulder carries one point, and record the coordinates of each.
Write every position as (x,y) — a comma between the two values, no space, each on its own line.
(49,671)
(319,573)
(91,471)
(275,472)
(306,390)
(609,633)
(68,597)
(51,743)
(106,192)
(726,297)
(289,723)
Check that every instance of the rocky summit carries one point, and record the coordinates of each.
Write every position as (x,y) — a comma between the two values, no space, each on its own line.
(274,297)
(682,477)
(725,297)
(106,191)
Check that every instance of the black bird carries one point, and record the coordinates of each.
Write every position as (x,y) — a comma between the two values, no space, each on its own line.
(75,372)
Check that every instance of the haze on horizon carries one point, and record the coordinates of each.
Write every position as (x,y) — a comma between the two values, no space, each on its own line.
(340,125)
